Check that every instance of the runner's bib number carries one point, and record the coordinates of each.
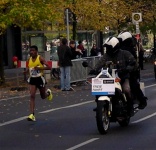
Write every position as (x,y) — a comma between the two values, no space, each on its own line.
(34,73)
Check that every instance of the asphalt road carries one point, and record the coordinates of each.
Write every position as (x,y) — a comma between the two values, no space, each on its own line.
(68,123)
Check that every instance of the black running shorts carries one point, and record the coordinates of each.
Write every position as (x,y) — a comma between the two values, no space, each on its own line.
(39,82)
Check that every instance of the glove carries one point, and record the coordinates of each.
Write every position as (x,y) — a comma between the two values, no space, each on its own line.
(93,72)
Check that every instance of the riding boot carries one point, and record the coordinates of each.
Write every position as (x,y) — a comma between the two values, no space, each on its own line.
(143,103)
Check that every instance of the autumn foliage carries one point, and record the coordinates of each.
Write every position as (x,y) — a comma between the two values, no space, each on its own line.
(90,14)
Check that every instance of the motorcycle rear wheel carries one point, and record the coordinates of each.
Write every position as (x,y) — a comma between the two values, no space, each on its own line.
(102,118)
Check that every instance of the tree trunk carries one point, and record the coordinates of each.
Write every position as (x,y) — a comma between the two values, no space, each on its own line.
(2,78)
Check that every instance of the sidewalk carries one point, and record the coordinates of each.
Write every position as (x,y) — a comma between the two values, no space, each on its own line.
(21,89)
(16,85)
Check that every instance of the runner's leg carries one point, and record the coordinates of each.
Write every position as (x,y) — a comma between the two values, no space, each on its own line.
(33,89)
(43,92)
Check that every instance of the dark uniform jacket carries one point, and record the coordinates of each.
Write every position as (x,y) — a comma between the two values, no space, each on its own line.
(124,61)
(133,50)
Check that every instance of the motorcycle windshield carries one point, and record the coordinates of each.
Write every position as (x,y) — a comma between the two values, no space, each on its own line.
(103,76)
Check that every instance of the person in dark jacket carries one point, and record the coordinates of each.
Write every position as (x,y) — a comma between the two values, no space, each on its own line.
(94,51)
(128,43)
(65,63)
(83,50)
(76,53)
(125,62)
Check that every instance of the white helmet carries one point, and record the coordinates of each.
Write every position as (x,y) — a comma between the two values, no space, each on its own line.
(124,35)
(126,39)
(112,45)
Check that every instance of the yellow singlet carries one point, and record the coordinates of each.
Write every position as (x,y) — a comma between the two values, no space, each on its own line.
(31,65)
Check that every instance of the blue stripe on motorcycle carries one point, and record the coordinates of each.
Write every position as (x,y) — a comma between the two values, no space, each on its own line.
(103,93)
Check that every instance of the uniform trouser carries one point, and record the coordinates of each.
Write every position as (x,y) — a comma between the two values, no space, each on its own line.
(136,90)
(127,91)
(141,62)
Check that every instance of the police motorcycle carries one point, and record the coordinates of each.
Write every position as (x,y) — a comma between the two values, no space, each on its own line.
(111,101)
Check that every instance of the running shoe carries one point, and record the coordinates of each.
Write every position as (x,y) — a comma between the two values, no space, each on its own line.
(50,96)
(31,117)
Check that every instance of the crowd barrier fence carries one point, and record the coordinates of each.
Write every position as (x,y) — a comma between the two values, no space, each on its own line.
(24,64)
(91,62)
(78,72)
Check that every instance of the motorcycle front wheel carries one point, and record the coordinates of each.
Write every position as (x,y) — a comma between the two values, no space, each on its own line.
(102,118)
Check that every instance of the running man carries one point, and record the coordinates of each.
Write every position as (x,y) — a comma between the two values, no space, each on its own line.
(36,66)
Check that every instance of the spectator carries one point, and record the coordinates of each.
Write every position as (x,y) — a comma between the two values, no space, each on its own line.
(94,51)
(83,50)
(76,53)
(65,63)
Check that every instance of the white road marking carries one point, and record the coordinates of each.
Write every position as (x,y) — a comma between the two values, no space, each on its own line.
(18,97)
(150,86)
(15,97)
(70,106)
(22,118)
(82,144)
(145,118)
(13,121)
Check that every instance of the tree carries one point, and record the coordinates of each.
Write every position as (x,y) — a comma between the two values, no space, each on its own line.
(26,14)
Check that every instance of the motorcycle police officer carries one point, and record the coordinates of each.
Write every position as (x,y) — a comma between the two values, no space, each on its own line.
(124,61)
(129,43)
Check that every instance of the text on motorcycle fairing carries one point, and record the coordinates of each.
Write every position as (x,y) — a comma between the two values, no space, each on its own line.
(108,81)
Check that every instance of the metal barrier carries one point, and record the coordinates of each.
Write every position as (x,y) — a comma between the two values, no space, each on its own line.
(78,72)
(97,58)
(92,62)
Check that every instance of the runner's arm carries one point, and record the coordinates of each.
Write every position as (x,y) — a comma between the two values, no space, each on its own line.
(27,69)
(45,63)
